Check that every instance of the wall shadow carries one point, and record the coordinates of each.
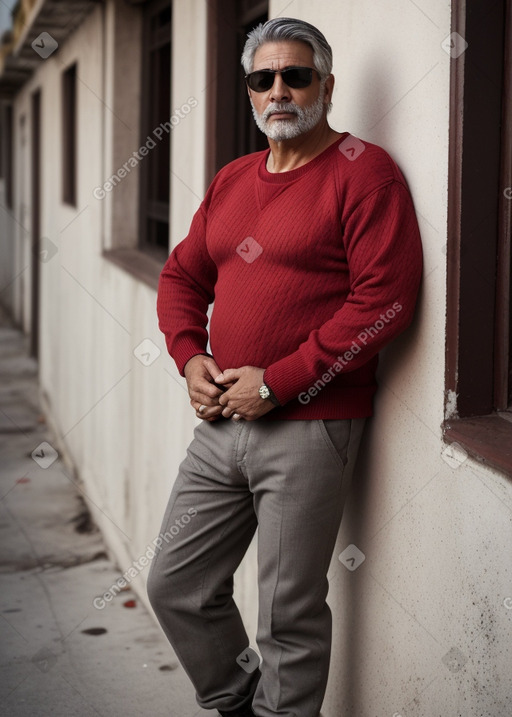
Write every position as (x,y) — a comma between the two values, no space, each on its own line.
(374,123)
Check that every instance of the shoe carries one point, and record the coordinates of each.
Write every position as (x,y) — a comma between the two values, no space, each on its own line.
(243,712)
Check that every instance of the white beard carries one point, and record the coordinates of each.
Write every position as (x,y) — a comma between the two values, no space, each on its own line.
(305,118)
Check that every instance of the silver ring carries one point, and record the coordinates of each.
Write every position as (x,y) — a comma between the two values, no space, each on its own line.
(201,408)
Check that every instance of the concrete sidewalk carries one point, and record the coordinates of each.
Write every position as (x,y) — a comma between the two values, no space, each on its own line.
(60,656)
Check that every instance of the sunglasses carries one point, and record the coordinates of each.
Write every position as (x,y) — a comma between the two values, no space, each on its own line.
(294,77)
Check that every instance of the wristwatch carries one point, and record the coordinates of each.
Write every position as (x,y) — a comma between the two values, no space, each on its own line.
(266,392)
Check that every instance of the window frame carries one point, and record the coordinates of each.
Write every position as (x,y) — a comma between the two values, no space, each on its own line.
(232,131)
(150,209)
(69,94)
(477,409)
(7,141)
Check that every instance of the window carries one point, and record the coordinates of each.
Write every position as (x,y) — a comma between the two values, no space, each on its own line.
(156,109)
(69,136)
(35,200)
(232,131)
(7,143)
(479,351)
(3,129)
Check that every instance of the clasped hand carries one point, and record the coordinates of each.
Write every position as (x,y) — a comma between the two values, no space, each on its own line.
(235,395)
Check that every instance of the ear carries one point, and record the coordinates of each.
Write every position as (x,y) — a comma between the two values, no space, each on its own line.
(329,87)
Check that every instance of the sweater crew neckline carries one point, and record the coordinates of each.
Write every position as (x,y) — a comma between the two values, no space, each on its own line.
(292,174)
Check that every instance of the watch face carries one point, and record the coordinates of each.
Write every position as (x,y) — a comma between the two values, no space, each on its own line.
(264,391)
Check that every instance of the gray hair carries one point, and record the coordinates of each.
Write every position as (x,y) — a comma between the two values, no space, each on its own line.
(289,29)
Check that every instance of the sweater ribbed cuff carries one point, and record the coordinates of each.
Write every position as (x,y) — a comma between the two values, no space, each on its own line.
(183,351)
(288,377)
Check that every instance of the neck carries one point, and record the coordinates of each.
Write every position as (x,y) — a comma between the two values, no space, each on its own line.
(290,154)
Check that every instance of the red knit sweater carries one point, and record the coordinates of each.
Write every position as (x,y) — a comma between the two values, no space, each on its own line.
(312,271)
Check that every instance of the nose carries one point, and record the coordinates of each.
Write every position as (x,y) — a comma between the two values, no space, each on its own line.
(279,92)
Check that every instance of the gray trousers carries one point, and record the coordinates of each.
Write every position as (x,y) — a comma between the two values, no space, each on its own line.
(289,479)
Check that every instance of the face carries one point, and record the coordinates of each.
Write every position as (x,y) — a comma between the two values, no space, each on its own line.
(283,112)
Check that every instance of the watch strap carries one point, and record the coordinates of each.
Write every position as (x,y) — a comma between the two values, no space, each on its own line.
(272,396)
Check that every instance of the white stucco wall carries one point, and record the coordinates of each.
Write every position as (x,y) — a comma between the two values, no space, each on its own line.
(435,537)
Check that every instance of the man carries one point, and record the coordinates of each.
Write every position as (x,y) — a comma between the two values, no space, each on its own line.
(312,254)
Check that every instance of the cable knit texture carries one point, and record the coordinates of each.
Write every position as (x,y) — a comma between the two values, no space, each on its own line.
(311,271)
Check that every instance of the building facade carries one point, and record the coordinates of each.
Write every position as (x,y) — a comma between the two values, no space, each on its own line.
(114,117)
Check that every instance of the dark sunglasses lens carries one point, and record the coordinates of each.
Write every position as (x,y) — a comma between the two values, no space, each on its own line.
(298,77)
(261,80)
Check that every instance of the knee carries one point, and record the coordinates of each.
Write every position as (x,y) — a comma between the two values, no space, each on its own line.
(157,589)
(165,590)
(152,584)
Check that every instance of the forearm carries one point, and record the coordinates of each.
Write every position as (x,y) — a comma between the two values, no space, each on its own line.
(337,347)
(185,290)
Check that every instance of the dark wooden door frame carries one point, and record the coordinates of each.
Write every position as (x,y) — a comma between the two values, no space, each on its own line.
(230,129)
(474,234)
(151,209)
(35,192)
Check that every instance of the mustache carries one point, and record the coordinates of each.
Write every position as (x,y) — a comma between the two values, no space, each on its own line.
(276,107)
